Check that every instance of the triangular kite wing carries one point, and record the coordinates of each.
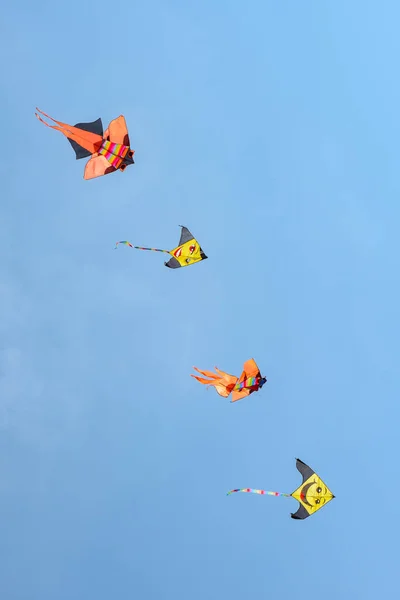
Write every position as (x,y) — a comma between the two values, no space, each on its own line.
(97,166)
(187,253)
(250,369)
(95,127)
(312,494)
(117,131)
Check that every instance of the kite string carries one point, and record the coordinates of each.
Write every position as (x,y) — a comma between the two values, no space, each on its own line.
(262,492)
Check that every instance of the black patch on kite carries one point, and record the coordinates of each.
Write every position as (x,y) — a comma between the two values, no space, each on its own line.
(172,263)
(304,469)
(300,514)
(79,151)
(95,127)
(185,236)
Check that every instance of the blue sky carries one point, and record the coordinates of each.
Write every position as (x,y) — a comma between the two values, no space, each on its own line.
(270,129)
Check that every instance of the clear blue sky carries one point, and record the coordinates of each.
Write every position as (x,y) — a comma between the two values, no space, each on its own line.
(271,130)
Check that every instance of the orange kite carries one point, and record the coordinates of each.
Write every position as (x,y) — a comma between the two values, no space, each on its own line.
(250,381)
(109,151)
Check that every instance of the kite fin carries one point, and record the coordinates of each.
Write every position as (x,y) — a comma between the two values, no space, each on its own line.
(96,167)
(117,132)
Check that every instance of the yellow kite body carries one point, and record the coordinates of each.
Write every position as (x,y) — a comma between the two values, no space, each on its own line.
(188,253)
(312,494)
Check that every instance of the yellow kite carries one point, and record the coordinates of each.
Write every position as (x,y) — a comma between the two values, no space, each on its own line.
(312,494)
(187,253)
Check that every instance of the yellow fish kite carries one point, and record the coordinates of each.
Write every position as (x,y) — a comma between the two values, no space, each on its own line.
(187,253)
(312,494)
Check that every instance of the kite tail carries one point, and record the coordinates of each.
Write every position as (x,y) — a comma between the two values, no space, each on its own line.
(86,139)
(202,380)
(141,247)
(262,492)
(60,123)
(123,242)
(206,373)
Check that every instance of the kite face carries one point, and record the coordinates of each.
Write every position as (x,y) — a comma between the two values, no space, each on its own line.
(312,494)
(187,253)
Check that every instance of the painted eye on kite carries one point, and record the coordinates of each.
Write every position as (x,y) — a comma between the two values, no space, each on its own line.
(318,501)
(122,167)
(319,490)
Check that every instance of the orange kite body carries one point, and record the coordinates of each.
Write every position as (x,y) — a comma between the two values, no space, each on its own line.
(250,381)
(109,151)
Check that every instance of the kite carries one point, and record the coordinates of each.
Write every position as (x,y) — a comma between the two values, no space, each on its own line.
(250,381)
(187,253)
(109,151)
(312,494)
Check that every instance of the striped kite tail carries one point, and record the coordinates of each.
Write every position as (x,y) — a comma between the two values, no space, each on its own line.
(261,492)
(123,242)
(140,247)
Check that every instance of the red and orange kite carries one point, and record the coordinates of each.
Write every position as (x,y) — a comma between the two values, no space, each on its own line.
(109,151)
(250,381)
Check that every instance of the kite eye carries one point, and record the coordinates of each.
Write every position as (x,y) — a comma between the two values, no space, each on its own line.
(319,490)
(130,153)
(122,167)
(317,501)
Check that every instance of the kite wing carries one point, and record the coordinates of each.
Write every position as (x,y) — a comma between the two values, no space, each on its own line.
(96,128)
(246,380)
(223,382)
(187,253)
(96,167)
(312,494)
(117,131)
